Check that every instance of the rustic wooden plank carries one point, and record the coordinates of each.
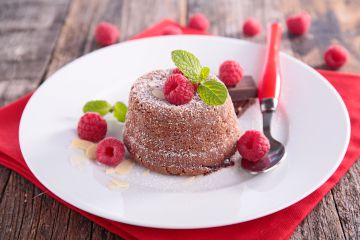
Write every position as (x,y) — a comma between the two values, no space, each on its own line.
(347,198)
(18,208)
(322,223)
(4,178)
(99,232)
(28,32)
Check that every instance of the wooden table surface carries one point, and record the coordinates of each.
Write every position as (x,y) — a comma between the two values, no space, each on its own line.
(37,37)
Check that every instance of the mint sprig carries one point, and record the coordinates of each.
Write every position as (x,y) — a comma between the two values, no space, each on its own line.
(188,64)
(211,91)
(102,107)
(120,110)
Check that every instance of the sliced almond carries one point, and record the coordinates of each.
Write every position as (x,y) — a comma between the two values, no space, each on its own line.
(124,167)
(80,144)
(158,93)
(116,184)
(91,151)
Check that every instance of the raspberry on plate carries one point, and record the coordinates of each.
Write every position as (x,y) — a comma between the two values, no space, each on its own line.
(172,30)
(230,72)
(92,127)
(336,56)
(251,27)
(198,21)
(253,145)
(110,151)
(106,34)
(299,24)
(178,90)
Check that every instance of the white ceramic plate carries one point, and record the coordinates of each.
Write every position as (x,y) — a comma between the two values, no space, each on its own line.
(312,121)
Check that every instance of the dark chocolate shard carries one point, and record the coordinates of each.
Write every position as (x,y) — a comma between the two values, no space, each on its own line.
(241,106)
(244,90)
(243,95)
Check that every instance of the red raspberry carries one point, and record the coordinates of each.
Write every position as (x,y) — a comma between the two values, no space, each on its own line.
(110,151)
(230,73)
(299,24)
(195,86)
(178,89)
(251,27)
(177,71)
(198,21)
(106,34)
(92,127)
(172,30)
(336,56)
(253,145)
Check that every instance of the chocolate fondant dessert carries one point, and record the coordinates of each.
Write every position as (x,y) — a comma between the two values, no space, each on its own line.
(189,139)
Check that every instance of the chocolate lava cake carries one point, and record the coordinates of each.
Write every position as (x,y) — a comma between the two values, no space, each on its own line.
(189,139)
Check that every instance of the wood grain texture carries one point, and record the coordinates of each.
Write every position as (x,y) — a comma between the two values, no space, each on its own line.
(41,36)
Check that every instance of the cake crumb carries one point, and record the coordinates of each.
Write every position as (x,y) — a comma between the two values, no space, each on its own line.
(124,167)
(80,144)
(116,184)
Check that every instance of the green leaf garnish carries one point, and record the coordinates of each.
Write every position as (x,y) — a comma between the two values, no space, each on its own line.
(120,110)
(204,74)
(100,106)
(188,64)
(212,92)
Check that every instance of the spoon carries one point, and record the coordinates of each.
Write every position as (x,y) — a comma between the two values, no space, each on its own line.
(269,90)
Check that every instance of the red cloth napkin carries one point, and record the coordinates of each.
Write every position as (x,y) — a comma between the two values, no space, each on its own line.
(279,225)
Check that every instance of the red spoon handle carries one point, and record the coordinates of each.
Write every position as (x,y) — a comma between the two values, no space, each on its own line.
(269,84)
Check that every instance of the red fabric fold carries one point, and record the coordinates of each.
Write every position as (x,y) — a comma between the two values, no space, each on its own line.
(279,225)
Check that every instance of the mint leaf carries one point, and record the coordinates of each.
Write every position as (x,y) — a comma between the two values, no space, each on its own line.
(120,110)
(188,64)
(100,106)
(204,74)
(212,92)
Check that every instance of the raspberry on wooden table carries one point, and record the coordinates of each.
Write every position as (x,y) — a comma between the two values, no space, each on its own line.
(253,145)
(110,151)
(92,127)
(299,24)
(251,27)
(199,21)
(336,56)
(230,72)
(178,90)
(106,34)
